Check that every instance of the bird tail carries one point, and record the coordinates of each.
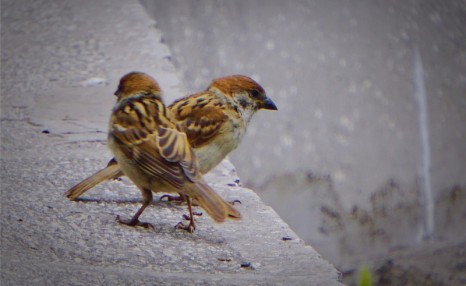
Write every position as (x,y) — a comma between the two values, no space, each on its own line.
(112,171)
(217,208)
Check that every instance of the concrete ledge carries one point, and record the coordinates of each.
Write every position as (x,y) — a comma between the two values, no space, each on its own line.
(60,65)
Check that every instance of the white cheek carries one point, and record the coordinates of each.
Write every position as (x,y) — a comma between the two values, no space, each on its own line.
(247,115)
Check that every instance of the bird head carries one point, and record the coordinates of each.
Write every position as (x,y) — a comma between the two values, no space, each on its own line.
(135,83)
(244,91)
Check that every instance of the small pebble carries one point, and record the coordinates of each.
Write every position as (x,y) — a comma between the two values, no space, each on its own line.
(248,265)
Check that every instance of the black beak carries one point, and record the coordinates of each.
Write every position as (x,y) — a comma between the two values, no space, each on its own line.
(268,104)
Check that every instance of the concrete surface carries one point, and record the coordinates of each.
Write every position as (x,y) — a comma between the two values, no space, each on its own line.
(61,61)
(344,161)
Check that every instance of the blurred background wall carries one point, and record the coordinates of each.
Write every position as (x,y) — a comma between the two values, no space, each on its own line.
(353,160)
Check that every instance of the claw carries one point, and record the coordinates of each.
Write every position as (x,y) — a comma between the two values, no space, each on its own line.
(187,217)
(172,198)
(133,223)
(189,228)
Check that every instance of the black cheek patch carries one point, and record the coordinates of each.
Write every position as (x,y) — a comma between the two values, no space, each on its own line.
(243,102)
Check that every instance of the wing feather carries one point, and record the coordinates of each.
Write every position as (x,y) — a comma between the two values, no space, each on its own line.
(154,144)
(200,125)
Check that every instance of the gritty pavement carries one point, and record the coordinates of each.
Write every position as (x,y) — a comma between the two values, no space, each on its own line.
(61,61)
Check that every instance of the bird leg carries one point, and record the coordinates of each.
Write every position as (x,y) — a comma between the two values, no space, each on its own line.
(192,226)
(134,221)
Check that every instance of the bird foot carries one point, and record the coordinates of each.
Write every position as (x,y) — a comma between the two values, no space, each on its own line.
(187,217)
(131,222)
(189,228)
(170,198)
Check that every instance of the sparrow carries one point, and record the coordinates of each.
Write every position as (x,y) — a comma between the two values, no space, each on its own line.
(154,152)
(214,120)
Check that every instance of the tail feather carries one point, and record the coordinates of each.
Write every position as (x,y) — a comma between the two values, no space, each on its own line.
(112,171)
(212,203)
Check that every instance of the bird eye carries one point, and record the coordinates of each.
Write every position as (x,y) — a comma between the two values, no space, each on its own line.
(255,93)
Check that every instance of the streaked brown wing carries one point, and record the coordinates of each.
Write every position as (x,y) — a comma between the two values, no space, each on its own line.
(160,151)
(175,148)
(202,124)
